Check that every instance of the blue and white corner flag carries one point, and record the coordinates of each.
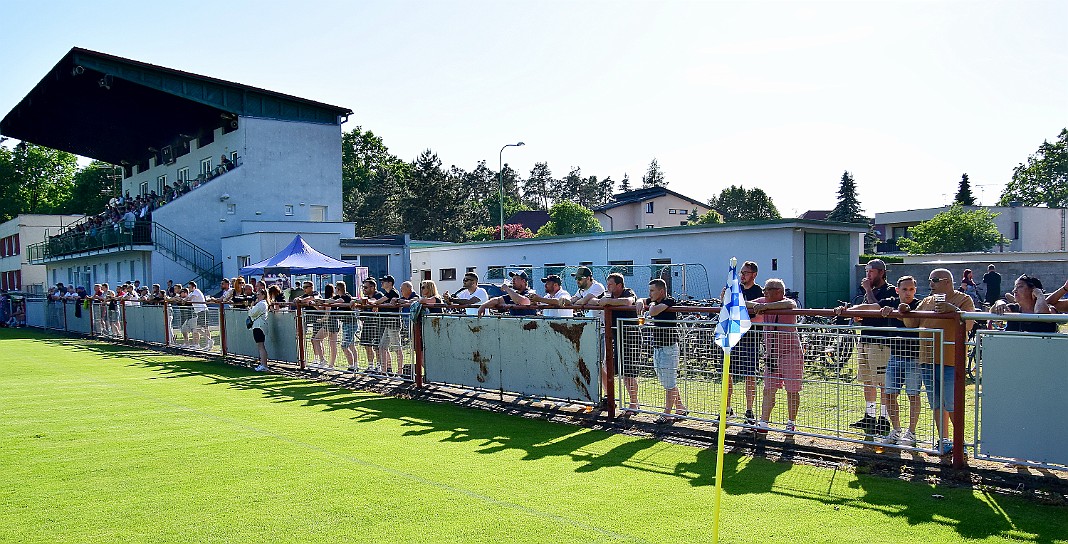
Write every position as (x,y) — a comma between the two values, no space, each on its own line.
(733,316)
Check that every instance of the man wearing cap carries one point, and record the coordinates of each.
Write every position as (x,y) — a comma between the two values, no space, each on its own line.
(555,296)
(874,350)
(589,288)
(516,293)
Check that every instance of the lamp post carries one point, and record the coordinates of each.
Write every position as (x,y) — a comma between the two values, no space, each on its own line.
(500,181)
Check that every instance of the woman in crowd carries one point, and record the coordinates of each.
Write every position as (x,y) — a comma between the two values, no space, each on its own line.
(429,295)
(320,329)
(258,314)
(1030,299)
(349,326)
(969,287)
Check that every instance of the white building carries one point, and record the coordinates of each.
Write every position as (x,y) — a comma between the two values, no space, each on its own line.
(815,258)
(1027,228)
(648,208)
(16,272)
(162,125)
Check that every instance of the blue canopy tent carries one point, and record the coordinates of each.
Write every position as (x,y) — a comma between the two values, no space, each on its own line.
(299,258)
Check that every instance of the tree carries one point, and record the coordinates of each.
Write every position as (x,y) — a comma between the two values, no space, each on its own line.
(1044,179)
(607,188)
(848,208)
(711,217)
(569,218)
(35,179)
(953,231)
(511,232)
(964,192)
(372,182)
(654,176)
(536,188)
(94,185)
(624,186)
(736,203)
(435,207)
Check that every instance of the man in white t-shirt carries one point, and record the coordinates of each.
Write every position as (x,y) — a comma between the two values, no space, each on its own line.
(470,296)
(589,288)
(200,312)
(555,296)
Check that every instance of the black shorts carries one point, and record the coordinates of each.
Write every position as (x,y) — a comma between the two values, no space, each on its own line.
(332,325)
(257,335)
(630,370)
(745,357)
(370,332)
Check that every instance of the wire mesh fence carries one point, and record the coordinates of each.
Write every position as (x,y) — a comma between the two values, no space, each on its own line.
(360,341)
(807,379)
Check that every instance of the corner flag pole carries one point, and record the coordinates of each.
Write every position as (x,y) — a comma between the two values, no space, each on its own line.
(733,323)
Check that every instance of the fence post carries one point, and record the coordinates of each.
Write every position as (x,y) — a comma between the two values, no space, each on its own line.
(222,329)
(166,325)
(417,350)
(610,361)
(959,368)
(64,315)
(300,336)
(92,317)
(122,304)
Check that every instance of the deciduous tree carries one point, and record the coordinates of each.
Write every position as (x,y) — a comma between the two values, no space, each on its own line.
(35,179)
(569,218)
(736,203)
(953,231)
(1043,179)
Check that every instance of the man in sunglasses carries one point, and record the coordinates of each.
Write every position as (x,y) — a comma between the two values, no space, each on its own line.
(938,379)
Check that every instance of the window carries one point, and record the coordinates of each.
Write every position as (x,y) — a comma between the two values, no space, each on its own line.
(244,260)
(775,264)
(206,138)
(144,188)
(233,157)
(183,174)
(289,209)
(107,275)
(494,272)
(623,267)
(650,226)
(648,207)
(585,263)
(1015,230)
(554,268)
(472,268)
(684,223)
(898,233)
(684,212)
(447,274)
(426,275)
(161,184)
(673,211)
(231,209)
(318,213)
(205,166)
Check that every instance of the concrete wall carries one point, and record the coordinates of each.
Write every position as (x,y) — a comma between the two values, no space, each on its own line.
(633,216)
(778,250)
(1053,270)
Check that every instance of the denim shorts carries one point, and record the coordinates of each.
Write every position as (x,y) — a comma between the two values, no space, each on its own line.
(902,373)
(666,363)
(938,383)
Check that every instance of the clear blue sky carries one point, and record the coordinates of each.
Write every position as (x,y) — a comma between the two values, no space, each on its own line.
(778,95)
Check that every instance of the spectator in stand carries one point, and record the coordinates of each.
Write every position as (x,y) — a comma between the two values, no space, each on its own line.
(619,295)
(784,365)
(258,314)
(874,352)
(471,295)
(515,294)
(1030,299)
(992,280)
(744,363)
(370,326)
(555,297)
(936,366)
(665,347)
(225,164)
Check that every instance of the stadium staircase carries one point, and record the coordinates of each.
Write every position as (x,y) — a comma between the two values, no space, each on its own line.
(186,253)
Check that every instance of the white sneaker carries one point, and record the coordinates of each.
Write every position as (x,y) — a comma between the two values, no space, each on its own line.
(893,438)
(907,438)
(260,368)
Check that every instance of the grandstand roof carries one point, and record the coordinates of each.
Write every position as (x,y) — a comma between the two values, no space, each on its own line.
(113,109)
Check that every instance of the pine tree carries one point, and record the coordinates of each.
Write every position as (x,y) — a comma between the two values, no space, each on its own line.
(654,176)
(536,188)
(624,186)
(964,192)
(848,209)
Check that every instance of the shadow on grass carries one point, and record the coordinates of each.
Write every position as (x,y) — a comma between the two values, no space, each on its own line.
(971,515)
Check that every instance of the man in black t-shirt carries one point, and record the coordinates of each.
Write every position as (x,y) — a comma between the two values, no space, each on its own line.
(391,323)
(747,353)
(992,280)
(902,368)
(665,346)
(369,323)
(874,350)
(617,294)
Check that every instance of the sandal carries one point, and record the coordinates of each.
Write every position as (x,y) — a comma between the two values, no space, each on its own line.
(664,420)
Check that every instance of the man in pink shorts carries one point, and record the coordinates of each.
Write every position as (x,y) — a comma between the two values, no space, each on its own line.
(784,357)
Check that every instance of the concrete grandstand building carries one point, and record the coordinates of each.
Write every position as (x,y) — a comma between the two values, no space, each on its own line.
(252,157)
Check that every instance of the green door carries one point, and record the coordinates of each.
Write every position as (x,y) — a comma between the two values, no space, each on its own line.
(826,269)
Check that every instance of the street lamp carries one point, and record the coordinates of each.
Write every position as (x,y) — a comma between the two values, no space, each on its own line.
(500,181)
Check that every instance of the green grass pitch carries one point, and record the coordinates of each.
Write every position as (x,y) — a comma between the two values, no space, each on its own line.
(109,443)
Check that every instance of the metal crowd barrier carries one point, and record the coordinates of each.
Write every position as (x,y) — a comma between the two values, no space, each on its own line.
(1015,370)
(563,358)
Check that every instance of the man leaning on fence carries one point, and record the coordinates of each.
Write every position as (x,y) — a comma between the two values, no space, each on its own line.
(617,294)
(470,295)
(874,350)
(939,380)
(555,296)
(665,347)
